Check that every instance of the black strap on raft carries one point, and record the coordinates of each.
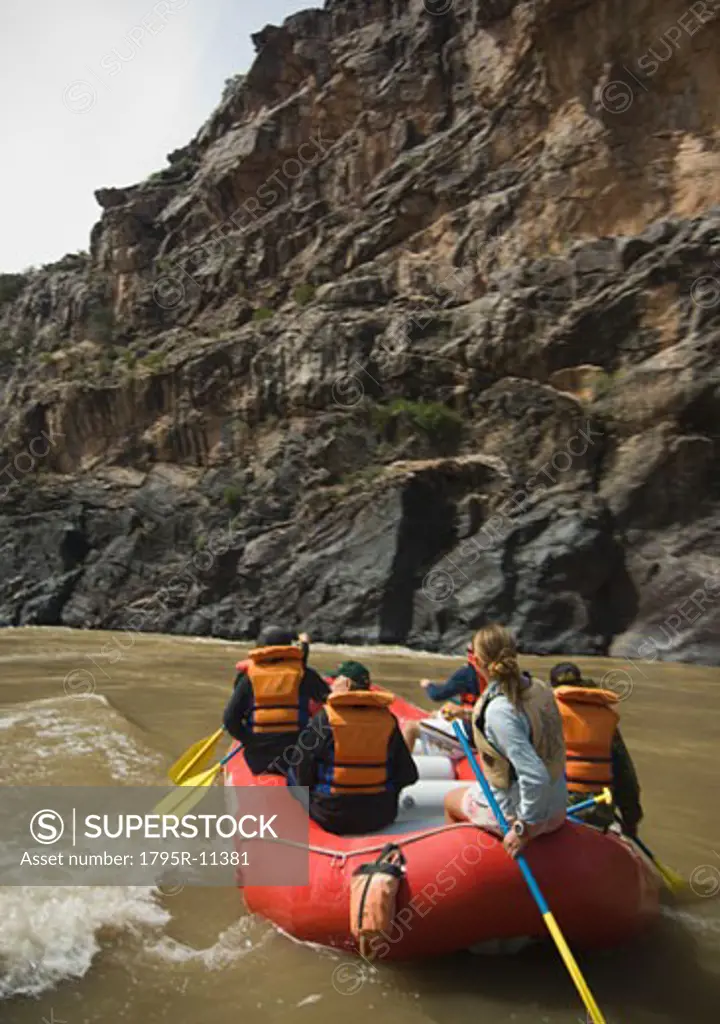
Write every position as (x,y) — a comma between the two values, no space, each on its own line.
(391,861)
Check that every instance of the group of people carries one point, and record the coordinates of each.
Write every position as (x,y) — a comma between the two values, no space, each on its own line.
(337,736)
(542,747)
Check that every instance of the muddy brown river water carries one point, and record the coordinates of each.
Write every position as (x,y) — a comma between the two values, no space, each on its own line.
(116,709)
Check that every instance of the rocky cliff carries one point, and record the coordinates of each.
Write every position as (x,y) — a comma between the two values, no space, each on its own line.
(420,330)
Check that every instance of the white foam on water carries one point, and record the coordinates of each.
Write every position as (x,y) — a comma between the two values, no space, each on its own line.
(50,935)
(693,922)
(7,721)
(309,1000)
(232,945)
(380,650)
(48,740)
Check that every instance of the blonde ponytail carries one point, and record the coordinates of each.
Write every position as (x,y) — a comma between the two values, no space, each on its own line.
(495,647)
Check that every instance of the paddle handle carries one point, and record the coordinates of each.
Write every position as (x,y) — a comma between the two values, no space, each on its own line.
(550,922)
(584,806)
(602,798)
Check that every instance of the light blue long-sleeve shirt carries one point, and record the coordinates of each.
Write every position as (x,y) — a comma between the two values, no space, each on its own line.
(533,797)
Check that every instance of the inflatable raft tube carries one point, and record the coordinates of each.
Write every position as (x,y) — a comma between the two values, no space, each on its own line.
(461,889)
(431,766)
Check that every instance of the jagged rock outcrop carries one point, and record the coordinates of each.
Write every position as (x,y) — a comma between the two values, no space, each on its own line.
(420,330)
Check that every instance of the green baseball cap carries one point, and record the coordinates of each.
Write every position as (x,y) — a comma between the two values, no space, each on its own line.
(356,672)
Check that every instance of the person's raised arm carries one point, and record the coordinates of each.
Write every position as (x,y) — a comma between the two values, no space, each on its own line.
(315,686)
(461,681)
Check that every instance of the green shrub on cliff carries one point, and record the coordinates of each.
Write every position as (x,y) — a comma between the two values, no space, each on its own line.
(602,384)
(304,293)
(232,498)
(154,360)
(101,323)
(436,421)
(262,313)
(105,364)
(10,287)
(23,339)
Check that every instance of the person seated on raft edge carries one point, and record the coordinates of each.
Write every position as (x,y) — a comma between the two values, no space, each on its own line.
(518,733)
(271,700)
(352,757)
(596,753)
(460,691)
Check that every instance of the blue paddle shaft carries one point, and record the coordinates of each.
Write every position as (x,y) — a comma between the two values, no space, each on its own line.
(583,806)
(500,818)
(232,753)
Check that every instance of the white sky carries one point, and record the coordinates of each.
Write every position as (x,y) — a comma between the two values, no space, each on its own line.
(91,98)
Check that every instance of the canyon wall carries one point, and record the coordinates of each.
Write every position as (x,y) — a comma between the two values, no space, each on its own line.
(421,330)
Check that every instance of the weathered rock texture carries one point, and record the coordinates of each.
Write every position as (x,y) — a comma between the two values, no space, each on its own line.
(420,330)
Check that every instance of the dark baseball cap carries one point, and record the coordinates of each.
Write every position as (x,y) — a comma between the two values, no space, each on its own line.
(356,673)
(276,636)
(566,673)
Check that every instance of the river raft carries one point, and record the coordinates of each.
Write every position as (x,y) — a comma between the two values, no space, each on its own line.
(461,889)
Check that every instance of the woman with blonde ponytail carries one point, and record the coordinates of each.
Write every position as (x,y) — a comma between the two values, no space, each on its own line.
(517,730)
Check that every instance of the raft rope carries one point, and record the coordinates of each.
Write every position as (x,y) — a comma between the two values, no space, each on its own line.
(343,855)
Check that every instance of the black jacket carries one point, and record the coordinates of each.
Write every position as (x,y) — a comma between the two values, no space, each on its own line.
(626,788)
(350,813)
(464,680)
(269,752)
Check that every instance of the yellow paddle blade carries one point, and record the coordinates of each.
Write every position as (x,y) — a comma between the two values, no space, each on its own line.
(581,985)
(675,882)
(188,794)
(196,757)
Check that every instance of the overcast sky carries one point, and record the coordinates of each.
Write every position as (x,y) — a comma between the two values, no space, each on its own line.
(96,93)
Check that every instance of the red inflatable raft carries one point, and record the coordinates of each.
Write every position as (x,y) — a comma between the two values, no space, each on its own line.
(461,889)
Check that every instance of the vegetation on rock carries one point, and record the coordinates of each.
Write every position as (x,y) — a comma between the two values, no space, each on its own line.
(11,286)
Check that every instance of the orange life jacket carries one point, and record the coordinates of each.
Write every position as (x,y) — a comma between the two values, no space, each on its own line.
(275,674)
(468,700)
(589,723)
(362,728)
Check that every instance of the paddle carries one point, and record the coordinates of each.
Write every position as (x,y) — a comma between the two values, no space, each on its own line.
(190,792)
(603,798)
(550,922)
(198,756)
(674,881)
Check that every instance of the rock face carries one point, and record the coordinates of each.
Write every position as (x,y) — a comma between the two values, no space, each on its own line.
(421,330)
